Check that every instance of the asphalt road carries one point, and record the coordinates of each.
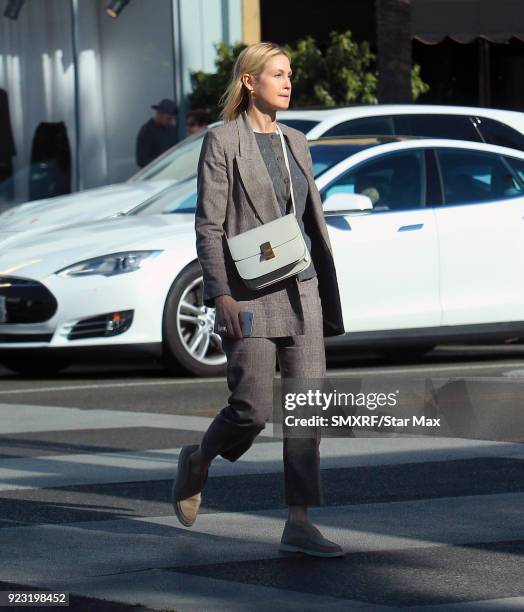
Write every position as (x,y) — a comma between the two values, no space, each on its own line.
(87,460)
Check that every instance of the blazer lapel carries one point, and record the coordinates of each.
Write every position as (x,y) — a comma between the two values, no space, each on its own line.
(253,173)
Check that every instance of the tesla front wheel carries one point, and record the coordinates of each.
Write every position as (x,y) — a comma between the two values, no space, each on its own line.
(189,341)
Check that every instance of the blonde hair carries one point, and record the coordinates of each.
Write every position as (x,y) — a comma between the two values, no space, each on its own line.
(251,60)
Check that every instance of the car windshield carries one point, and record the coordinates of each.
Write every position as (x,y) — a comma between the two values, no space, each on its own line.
(304,125)
(181,161)
(177,164)
(181,198)
(326,155)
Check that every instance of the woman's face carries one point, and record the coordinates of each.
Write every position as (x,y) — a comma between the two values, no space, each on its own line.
(272,90)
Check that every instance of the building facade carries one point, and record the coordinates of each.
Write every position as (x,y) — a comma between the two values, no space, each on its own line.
(78,84)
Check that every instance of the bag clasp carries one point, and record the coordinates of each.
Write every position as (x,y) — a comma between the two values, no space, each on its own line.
(267,250)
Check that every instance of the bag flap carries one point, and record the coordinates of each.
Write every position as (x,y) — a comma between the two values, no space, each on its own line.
(277,232)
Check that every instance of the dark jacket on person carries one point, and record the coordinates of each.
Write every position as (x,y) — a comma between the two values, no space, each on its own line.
(152,140)
(7,142)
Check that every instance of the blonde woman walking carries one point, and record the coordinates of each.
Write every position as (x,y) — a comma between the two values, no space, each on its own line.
(243,182)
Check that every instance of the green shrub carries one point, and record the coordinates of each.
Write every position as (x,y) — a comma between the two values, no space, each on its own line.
(344,72)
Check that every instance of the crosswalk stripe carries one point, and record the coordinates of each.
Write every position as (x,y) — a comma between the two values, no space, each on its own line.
(21,418)
(158,464)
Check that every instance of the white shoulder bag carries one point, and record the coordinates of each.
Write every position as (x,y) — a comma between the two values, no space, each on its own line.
(273,251)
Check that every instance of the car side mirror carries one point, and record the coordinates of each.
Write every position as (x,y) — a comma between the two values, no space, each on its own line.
(342,203)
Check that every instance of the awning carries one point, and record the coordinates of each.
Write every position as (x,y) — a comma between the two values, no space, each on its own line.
(465,20)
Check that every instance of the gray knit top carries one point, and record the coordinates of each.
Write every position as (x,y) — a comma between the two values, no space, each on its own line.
(271,150)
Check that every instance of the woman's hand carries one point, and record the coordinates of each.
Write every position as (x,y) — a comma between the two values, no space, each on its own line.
(227,309)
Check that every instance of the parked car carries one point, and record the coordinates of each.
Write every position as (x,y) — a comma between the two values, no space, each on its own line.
(488,125)
(427,236)
(40,216)
(35,217)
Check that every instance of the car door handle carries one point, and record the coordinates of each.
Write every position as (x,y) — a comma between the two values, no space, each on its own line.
(409,228)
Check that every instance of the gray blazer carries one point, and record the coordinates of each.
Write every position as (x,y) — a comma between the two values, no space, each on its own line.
(235,194)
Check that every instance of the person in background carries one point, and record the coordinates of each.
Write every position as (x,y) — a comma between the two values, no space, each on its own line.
(158,134)
(7,149)
(197,120)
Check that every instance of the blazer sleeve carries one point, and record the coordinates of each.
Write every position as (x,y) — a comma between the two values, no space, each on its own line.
(212,197)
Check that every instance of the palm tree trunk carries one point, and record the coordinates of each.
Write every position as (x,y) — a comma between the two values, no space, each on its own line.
(394,51)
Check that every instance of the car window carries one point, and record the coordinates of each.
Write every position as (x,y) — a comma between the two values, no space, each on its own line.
(517,166)
(365,126)
(473,176)
(392,182)
(304,125)
(498,133)
(437,126)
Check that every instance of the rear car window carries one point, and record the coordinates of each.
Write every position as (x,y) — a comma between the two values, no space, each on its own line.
(498,133)
(364,126)
(457,127)
(304,125)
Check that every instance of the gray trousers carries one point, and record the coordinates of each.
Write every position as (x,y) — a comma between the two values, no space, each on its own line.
(250,373)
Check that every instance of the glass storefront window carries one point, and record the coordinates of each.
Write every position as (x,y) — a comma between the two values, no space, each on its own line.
(37,103)
(65,140)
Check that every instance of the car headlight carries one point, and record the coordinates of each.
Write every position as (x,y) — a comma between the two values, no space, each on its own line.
(109,265)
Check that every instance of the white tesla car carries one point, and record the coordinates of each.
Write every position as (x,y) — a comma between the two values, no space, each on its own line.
(488,125)
(428,244)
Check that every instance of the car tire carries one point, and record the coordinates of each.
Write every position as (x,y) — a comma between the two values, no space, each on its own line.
(34,366)
(185,318)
